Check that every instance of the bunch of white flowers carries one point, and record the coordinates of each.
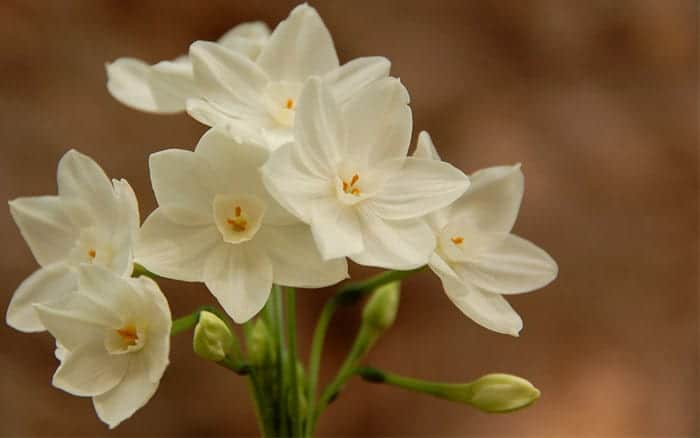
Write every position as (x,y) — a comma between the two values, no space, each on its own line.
(305,165)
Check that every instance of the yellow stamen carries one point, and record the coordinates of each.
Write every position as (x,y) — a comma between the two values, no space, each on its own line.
(289,104)
(238,211)
(350,188)
(128,335)
(92,253)
(457,240)
(238,224)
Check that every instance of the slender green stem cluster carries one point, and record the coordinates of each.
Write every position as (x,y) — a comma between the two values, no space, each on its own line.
(287,399)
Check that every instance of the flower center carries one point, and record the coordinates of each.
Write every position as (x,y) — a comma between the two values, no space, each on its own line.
(349,187)
(238,218)
(128,335)
(281,100)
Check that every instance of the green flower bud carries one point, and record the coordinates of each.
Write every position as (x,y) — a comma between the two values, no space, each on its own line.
(380,311)
(497,393)
(212,338)
(261,350)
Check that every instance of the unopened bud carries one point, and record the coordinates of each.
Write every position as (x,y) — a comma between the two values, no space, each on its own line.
(212,338)
(380,311)
(260,348)
(499,393)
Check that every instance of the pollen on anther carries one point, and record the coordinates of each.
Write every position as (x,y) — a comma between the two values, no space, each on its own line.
(457,240)
(238,211)
(92,253)
(354,179)
(355,191)
(289,104)
(128,335)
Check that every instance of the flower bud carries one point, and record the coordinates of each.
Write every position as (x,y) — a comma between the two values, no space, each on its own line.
(261,351)
(212,338)
(498,393)
(380,311)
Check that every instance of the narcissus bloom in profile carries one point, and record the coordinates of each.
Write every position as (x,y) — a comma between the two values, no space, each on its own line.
(92,220)
(256,98)
(114,337)
(347,175)
(165,87)
(215,223)
(477,258)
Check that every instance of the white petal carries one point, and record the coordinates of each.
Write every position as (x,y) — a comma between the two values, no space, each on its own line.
(240,277)
(293,183)
(125,233)
(514,266)
(237,166)
(172,83)
(319,128)
(45,226)
(299,47)
(378,122)
(353,76)
(109,290)
(90,370)
(127,81)
(399,245)
(43,286)
(254,31)
(81,179)
(75,320)
(216,117)
(493,199)
(229,80)
(184,180)
(295,259)
(336,229)
(425,148)
(173,250)
(486,309)
(419,188)
(132,393)
(157,349)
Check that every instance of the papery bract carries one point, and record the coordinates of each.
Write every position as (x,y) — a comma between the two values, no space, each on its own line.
(477,258)
(347,175)
(114,337)
(92,220)
(256,99)
(165,87)
(217,224)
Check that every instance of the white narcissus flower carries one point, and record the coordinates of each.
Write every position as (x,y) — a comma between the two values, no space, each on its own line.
(165,87)
(215,223)
(477,258)
(113,336)
(347,175)
(257,98)
(92,220)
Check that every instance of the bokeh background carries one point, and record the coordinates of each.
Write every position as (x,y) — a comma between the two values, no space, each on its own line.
(599,101)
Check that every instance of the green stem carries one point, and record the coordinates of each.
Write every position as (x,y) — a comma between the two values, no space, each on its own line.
(347,295)
(263,415)
(292,362)
(281,360)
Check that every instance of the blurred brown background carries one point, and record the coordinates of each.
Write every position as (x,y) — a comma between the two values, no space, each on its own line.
(598,99)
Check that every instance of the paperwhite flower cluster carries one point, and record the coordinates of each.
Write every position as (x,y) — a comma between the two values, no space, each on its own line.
(305,165)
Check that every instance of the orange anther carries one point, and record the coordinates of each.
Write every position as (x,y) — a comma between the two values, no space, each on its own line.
(354,179)
(290,104)
(238,211)
(457,240)
(92,253)
(128,335)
